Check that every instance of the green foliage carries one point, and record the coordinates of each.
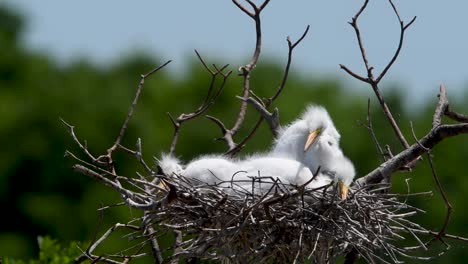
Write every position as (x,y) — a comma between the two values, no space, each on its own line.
(51,252)
(39,194)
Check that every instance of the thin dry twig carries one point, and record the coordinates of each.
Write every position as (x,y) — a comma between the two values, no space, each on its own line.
(441,107)
(438,133)
(245,72)
(448,205)
(205,105)
(370,79)
(108,157)
(263,105)
(370,128)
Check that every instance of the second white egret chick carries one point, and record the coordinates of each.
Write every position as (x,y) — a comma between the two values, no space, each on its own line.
(342,171)
(314,140)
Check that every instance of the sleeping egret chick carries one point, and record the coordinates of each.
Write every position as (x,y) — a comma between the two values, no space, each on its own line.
(341,169)
(208,169)
(288,171)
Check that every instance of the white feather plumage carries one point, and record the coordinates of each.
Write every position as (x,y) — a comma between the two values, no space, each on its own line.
(324,152)
(287,161)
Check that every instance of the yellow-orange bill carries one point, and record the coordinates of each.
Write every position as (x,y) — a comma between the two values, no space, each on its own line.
(343,190)
(163,185)
(311,138)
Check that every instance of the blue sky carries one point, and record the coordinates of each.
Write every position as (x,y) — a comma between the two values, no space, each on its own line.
(435,50)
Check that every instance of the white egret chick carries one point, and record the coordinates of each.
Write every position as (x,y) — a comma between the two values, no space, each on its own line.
(208,169)
(341,170)
(239,175)
(288,171)
(314,140)
(296,141)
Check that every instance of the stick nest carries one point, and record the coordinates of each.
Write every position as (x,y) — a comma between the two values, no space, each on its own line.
(284,223)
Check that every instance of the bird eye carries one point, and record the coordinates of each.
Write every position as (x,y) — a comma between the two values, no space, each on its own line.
(330,143)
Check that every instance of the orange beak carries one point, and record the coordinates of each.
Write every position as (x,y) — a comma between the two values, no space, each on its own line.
(343,190)
(312,138)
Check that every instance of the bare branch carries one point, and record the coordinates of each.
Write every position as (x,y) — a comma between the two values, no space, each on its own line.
(435,136)
(441,107)
(355,75)
(138,155)
(272,119)
(448,206)
(247,69)
(227,135)
(84,148)
(89,252)
(403,28)
(245,10)
(456,116)
(208,101)
(133,105)
(354,24)
(262,107)
(291,47)
(370,77)
(370,128)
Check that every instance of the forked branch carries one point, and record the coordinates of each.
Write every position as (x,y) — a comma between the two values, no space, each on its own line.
(245,72)
(262,106)
(424,145)
(209,100)
(370,79)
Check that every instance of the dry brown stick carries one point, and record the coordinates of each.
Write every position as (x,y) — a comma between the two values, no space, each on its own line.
(403,28)
(448,206)
(108,157)
(89,252)
(177,246)
(262,107)
(437,134)
(247,69)
(83,147)
(456,116)
(134,103)
(138,155)
(272,118)
(370,128)
(442,104)
(400,160)
(208,101)
(227,136)
(245,72)
(441,107)
(155,250)
(291,46)
(370,79)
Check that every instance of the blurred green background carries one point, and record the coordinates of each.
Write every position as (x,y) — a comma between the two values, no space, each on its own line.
(41,195)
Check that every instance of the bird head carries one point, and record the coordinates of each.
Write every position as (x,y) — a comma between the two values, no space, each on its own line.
(321,140)
(310,138)
(316,116)
(343,170)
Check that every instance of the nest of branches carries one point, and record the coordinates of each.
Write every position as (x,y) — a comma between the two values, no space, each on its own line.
(284,223)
